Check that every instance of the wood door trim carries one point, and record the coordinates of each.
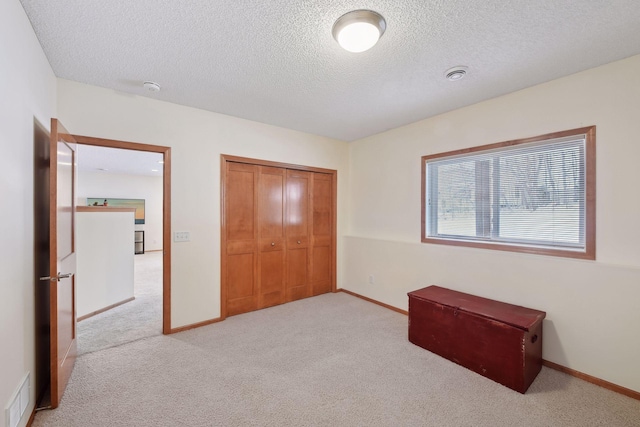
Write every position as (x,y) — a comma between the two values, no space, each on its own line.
(259,162)
(125,145)
(334,231)
(224,158)
(166,211)
(223,238)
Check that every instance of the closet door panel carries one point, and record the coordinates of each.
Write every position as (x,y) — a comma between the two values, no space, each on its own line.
(321,278)
(271,229)
(322,201)
(241,247)
(271,201)
(298,203)
(321,282)
(241,284)
(241,237)
(271,278)
(297,279)
(240,276)
(322,198)
(298,227)
(240,202)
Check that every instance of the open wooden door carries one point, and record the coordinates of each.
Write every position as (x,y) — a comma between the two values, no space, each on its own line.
(62,262)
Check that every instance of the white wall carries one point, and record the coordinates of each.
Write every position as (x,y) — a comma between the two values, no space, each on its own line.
(27,92)
(197,138)
(149,188)
(592,307)
(104,256)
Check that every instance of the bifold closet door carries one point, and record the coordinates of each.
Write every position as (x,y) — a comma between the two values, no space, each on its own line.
(254,211)
(241,216)
(271,239)
(321,235)
(298,230)
(278,230)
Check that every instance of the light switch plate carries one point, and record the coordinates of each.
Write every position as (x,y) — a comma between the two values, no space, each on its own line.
(181,236)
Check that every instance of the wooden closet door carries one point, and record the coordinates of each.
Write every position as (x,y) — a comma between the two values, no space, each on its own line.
(297,233)
(321,233)
(241,214)
(278,233)
(271,240)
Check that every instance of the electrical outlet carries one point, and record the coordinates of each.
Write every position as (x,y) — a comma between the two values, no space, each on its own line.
(181,236)
(372,279)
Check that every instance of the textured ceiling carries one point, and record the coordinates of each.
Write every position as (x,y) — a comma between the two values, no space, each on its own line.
(275,61)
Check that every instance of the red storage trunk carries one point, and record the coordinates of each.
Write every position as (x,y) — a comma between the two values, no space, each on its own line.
(500,341)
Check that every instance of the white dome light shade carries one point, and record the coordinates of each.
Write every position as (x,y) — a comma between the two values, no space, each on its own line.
(359,30)
(358,37)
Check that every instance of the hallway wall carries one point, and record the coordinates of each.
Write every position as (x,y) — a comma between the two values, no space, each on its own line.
(28,94)
(149,188)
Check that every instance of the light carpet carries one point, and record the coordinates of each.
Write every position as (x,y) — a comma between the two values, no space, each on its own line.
(332,360)
(137,319)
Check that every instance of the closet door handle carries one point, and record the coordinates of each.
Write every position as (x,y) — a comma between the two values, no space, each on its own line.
(298,241)
(273,243)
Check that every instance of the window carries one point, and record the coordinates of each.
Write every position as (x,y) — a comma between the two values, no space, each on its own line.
(533,195)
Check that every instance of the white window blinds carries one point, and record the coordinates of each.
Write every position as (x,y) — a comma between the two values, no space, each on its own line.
(530,194)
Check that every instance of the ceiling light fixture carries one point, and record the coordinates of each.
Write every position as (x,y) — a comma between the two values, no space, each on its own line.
(456,73)
(359,30)
(151,86)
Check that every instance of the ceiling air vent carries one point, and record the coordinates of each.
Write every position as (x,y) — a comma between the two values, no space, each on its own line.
(455,73)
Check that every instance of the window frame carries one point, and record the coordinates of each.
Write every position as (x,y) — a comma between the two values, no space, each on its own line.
(589,251)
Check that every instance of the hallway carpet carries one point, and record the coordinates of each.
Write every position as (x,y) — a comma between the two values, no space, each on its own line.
(137,319)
